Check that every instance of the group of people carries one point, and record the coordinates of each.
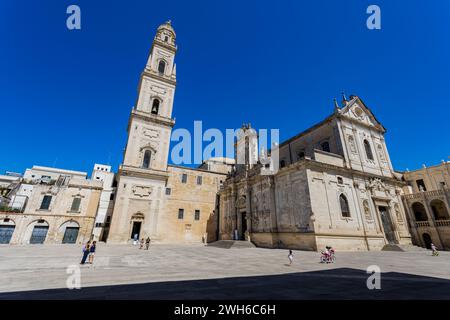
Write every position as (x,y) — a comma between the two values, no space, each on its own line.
(327,255)
(89,252)
(147,243)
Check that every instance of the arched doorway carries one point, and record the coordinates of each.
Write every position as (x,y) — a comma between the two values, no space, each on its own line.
(70,229)
(439,210)
(39,233)
(419,212)
(427,240)
(7,227)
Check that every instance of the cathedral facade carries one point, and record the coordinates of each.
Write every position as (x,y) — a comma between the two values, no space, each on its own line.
(335,186)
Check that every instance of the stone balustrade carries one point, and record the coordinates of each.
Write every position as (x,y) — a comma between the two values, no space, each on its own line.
(420,195)
(422,224)
(442,223)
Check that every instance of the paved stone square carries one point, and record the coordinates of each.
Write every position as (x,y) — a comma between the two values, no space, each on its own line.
(205,272)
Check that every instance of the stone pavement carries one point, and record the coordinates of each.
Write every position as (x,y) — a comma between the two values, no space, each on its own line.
(201,272)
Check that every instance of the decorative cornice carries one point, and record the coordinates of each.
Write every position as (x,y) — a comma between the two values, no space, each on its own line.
(151,117)
(143,173)
(364,124)
(165,45)
(155,75)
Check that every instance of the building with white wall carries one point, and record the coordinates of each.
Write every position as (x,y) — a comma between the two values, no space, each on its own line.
(106,205)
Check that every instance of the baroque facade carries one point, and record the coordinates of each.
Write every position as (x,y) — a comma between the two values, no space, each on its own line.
(335,186)
(427,200)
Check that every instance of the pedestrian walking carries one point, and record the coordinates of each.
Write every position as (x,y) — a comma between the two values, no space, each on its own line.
(290,257)
(92,252)
(147,243)
(141,245)
(434,250)
(86,250)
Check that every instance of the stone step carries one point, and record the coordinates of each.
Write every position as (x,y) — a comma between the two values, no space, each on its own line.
(227,244)
(403,247)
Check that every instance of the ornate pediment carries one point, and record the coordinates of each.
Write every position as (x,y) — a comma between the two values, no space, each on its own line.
(377,184)
(241,202)
(356,110)
(378,188)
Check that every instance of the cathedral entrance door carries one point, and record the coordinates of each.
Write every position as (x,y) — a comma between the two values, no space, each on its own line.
(387,225)
(136,230)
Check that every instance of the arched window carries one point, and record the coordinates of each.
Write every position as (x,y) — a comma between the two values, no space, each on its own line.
(419,211)
(345,211)
(325,146)
(147,158)
(161,66)
(439,210)
(369,153)
(155,106)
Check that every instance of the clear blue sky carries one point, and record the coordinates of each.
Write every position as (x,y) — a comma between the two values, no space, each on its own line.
(65,95)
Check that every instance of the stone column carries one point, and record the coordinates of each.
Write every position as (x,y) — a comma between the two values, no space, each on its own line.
(248,215)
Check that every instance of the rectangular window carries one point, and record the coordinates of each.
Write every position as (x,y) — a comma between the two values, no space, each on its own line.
(340,180)
(282,163)
(75,205)
(197,215)
(45,204)
(180,214)
(301,154)
(199,180)
(421,185)
(111,196)
(184,178)
(168,191)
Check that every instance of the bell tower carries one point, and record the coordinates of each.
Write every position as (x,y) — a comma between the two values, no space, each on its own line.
(151,119)
(143,174)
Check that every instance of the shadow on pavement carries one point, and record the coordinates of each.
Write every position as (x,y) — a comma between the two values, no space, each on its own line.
(343,283)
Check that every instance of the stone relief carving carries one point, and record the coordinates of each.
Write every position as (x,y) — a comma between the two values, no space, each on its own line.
(151,133)
(381,153)
(398,214)
(241,202)
(351,142)
(141,191)
(377,184)
(367,212)
(159,90)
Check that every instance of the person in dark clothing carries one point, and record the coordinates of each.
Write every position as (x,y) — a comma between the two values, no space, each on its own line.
(147,243)
(86,251)
(92,252)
